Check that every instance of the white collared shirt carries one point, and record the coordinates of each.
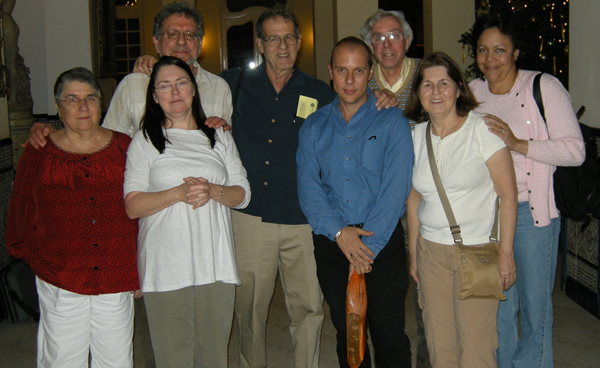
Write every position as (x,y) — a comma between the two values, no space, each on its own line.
(407,66)
(129,100)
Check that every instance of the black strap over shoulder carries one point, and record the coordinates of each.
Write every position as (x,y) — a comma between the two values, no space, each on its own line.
(537,94)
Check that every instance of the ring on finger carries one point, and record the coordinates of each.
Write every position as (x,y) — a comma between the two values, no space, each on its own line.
(501,130)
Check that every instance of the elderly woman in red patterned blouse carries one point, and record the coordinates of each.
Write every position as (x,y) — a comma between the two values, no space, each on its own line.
(67,220)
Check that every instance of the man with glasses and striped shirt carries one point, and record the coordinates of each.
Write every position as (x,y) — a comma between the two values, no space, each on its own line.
(389,36)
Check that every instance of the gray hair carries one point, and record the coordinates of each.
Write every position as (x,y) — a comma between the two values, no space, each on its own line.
(365,30)
(276,13)
(78,74)
(178,8)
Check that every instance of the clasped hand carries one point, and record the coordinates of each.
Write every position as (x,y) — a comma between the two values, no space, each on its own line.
(195,191)
(357,253)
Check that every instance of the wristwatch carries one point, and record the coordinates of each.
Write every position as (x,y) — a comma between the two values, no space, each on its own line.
(337,235)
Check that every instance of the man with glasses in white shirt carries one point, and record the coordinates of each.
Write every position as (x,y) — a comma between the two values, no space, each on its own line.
(178,31)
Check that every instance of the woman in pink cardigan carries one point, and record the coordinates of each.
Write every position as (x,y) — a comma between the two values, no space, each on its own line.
(506,93)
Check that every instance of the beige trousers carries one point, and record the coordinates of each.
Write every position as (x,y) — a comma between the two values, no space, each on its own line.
(460,333)
(190,327)
(262,250)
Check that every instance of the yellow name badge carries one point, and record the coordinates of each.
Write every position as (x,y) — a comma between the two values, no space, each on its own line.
(306,106)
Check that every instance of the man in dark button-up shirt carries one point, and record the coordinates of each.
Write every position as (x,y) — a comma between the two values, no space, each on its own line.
(354,175)
(272,234)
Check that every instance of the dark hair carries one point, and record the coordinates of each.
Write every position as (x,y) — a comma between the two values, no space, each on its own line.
(352,42)
(465,102)
(78,74)
(178,8)
(276,13)
(154,118)
(508,26)
(367,28)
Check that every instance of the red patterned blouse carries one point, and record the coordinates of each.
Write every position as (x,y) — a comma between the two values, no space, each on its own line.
(67,218)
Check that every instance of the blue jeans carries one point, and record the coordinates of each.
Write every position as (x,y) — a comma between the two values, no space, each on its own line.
(536,252)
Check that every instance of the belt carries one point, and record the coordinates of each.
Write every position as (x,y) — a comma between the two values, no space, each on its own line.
(356,225)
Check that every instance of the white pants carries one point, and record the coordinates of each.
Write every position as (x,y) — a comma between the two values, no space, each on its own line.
(74,326)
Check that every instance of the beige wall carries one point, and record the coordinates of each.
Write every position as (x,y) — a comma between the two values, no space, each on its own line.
(444,21)
(55,36)
(303,9)
(67,31)
(325,36)
(584,53)
(210,57)
(334,20)
(351,14)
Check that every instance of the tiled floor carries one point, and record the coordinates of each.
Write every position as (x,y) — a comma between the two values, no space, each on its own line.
(576,338)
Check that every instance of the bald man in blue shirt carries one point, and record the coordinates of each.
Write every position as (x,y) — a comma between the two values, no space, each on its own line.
(354,175)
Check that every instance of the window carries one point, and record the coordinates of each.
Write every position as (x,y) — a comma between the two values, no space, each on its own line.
(129,36)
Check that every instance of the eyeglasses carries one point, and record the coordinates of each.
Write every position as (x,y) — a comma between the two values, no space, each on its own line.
(394,36)
(174,35)
(182,85)
(74,101)
(275,41)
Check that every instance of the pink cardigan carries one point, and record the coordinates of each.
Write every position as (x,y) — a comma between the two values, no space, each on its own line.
(565,146)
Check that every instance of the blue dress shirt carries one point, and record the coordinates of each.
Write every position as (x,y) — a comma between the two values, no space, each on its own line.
(357,172)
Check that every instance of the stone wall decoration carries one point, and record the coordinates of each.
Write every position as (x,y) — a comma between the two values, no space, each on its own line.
(3,86)
(6,180)
(20,102)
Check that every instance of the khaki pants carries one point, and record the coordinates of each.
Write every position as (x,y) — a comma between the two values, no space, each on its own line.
(262,250)
(190,327)
(460,333)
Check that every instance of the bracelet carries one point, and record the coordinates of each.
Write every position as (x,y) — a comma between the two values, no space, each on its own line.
(221,193)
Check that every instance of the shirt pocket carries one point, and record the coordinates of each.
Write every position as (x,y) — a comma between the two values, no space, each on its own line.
(371,154)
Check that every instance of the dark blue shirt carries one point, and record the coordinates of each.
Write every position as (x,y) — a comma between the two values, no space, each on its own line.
(265,130)
(357,172)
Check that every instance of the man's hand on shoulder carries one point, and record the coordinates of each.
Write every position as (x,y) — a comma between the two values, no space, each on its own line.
(144,64)
(385,99)
(216,122)
(37,135)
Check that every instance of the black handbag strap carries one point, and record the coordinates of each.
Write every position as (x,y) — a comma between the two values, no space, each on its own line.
(454,228)
(537,95)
